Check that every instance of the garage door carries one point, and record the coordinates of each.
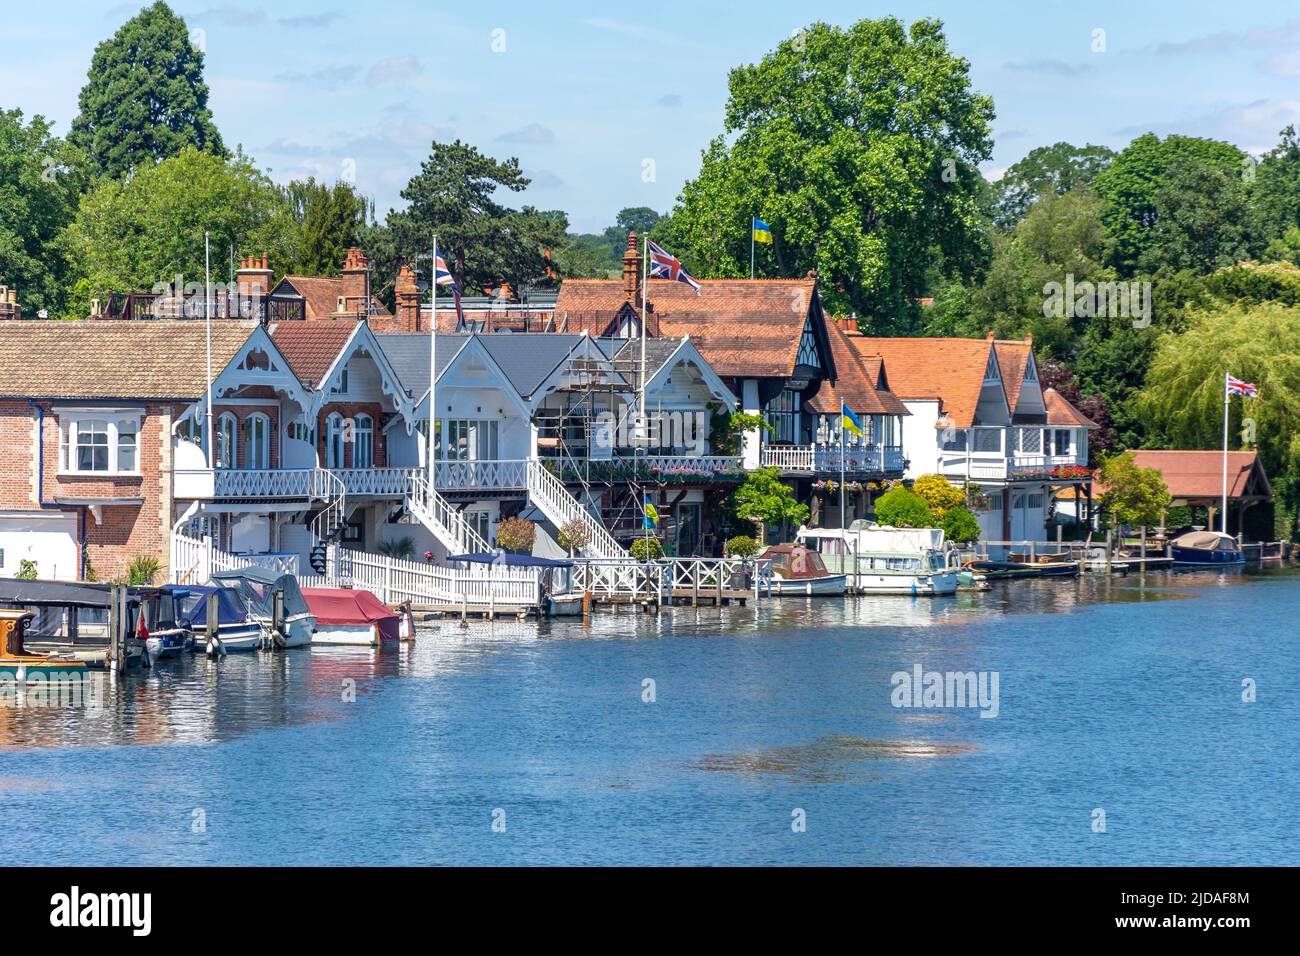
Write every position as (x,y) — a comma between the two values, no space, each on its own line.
(49,538)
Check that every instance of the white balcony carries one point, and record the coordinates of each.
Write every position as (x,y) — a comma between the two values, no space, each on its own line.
(484,475)
(995,466)
(308,484)
(826,459)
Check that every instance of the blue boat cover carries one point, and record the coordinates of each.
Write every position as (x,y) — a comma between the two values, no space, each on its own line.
(230,609)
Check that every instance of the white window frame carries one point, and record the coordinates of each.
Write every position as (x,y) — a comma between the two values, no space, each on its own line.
(226,446)
(70,423)
(335,429)
(363,442)
(259,446)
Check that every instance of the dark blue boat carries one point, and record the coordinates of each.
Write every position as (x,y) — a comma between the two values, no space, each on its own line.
(1206,549)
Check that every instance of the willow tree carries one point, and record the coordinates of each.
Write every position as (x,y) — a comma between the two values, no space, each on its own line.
(1183,397)
(859,147)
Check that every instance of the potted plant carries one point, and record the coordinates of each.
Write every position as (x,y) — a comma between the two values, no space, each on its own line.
(517,535)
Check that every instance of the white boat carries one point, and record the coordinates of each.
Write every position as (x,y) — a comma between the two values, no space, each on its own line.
(259,588)
(236,629)
(879,559)
(797,570)
(352,616)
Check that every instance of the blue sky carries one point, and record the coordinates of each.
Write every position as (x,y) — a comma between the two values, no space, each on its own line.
(584,93)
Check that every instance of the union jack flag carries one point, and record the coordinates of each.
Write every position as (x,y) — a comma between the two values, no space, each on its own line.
(443,276)
(664,265)
(1237,387)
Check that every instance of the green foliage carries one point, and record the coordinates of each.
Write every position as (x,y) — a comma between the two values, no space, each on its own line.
(143,569)
(573,535)
(143,231)
(403,548)
(762,498)
(1131,184)
(1047,171)
(646,549)
(40,179)
(145,98)
(1135,496)
(960,525)
(1275,194)
(742,546)
(1200,220)
(726,431)
(26,570)
(325,221)
(901,508)
(482,241)
(516,534)
(860,147)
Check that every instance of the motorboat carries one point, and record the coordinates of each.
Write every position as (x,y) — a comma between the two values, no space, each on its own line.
(1051,564)
(235,628)
(274,600)
(161,627)
(1206,549)
(351,616)
(799,570)
(879,559)
(74,619)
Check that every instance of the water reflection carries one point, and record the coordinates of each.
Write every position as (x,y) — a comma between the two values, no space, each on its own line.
(827,759)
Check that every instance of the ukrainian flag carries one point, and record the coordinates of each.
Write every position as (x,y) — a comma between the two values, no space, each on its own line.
(762,232)
(849,421)
(651,518)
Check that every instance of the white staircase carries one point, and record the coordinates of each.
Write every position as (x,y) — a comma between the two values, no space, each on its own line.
(549,494)
(447,524)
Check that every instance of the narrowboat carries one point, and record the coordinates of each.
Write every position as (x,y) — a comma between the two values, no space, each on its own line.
(879,559)
(236,629)
(1206,549)
(351,616)
(73,619)
(274,600)
(20,665)
(798,570)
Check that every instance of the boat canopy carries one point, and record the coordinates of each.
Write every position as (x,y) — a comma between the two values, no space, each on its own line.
(879,539)
(65,593)
(194,606)
(511,560)
(1206,541)
(343,606)
(257,587)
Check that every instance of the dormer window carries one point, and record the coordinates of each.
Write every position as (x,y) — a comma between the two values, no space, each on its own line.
(991,373)
(1031,372)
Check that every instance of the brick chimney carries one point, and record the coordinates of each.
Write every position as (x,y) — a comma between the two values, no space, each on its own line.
(253,277)
(408,300)
(355,285)
(632,271)
(9,304)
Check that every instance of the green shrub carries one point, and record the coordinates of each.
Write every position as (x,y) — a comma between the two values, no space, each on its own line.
(516,534)
(960,525)
(573,535)
(646,549)
(742,546)
(26,570)
(901,508)
(143,569)
(403,548)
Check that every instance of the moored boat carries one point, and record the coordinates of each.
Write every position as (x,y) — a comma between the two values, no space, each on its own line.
(1206,549)
(882,560)
(22,666)
(159,623)
(351,616)
(1022,566)
(798,570)
(72,619)
(236,629)
(274,600)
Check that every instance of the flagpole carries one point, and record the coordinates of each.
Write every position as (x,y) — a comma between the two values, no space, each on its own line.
(842,490)
(207,318)
(1223,521)
(645,281)
(751,247)
(433,353)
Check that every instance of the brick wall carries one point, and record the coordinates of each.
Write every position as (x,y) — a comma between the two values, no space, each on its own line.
(351,410)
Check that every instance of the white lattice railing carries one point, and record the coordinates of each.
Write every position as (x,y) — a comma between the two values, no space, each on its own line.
(447,524)
(628,578)
(380,482)
(859,459)
(549,494)
(485,475)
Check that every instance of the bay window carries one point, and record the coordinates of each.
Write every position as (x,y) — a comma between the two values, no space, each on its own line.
(99,442)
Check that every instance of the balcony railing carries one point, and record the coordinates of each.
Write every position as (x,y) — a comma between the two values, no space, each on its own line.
(995,466)
(670,469)
(481,475)
(826,459)
(305,484)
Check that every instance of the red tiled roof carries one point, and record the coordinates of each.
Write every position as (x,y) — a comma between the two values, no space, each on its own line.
(310,348)
(1013,360)
(1061,412)
(950,370)
(855,382)
(321,296)
(742,327)
(1199,474)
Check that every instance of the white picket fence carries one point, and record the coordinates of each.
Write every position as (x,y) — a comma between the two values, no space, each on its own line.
(392,580)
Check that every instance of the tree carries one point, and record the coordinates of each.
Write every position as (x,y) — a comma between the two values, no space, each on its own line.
(40,179)
(900,508)
(482,241)
(327,220)
(1135,496)
(1131,184)
(940,494)
(1047,171)
(1200,221)
(859,147)
(145,98)
(762,499)
(1275,194)
(960,525)
(516,534)
(142,232)
(1056,376)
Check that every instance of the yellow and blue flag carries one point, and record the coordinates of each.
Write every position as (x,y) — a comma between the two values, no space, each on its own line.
(762,232)
(651,518)
(849,421)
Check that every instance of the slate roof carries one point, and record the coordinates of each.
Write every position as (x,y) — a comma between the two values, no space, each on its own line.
(855,382)
(408,354)
(311,347)
(89,358)
(529,358)
(743,327)
(950,370)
